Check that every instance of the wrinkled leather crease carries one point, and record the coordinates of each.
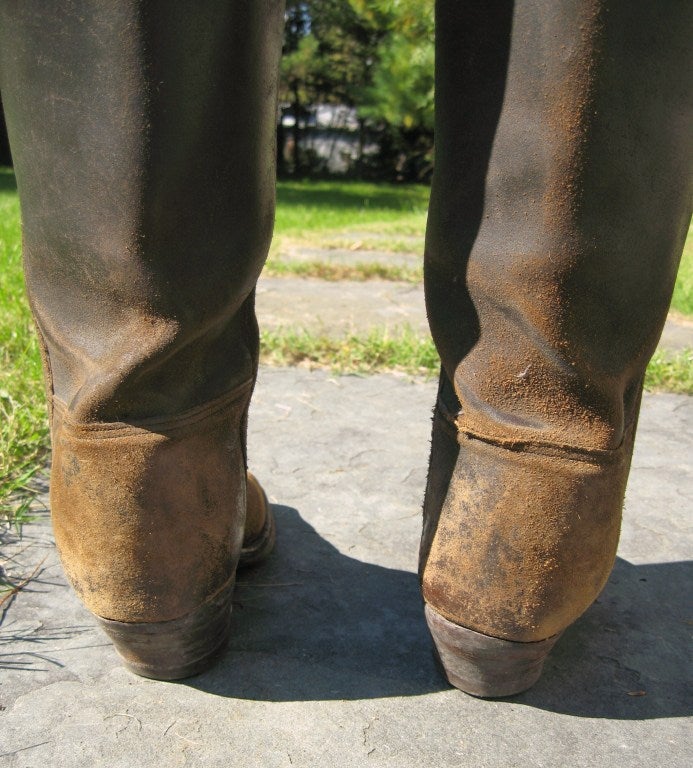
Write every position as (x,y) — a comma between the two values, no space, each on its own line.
(183,422)
(453,425)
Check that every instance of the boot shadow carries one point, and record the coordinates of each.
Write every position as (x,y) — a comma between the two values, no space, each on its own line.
(313,624)
(627,657)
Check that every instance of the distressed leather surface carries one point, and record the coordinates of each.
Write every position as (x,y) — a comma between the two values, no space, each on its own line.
(525,539)
(149,519)
(143,137)
(560,203)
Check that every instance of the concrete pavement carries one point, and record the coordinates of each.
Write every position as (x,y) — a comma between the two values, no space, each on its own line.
(348,306)
(330,662)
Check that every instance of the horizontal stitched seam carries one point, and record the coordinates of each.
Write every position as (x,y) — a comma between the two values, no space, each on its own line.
(229,583)
(557,450)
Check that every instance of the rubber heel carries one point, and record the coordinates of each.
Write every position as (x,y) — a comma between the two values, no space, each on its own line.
(172,650)
(484,666)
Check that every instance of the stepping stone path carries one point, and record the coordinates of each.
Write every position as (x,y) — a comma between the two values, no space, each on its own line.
(347,306)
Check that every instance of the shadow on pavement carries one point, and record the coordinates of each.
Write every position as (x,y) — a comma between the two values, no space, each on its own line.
(313,624)
(627,657)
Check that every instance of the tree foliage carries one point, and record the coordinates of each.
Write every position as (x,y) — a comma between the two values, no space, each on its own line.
(329,50)
(374,55)
(401,87)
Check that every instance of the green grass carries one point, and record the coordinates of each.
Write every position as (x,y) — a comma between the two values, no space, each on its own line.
(317,207)
(23,420)
(386,239)
(351,216)
(334,272)
(669,372)
(408,352)
(378,351)
(682,300)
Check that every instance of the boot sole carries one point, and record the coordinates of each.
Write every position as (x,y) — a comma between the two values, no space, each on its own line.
(172,650)
(485,666)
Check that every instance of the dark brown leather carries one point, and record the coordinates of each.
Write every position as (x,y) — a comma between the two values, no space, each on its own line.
(560,203)
(143,137)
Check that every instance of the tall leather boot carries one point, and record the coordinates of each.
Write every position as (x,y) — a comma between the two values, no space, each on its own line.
(560,204)
(142,134)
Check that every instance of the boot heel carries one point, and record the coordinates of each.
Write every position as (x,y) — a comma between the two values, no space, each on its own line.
(485,666)
(171,650)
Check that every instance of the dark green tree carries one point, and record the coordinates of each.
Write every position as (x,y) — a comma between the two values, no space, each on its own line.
(400,93)
(375,55)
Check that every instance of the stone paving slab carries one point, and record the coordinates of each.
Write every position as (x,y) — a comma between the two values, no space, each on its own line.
(351,256)
(339,308)
(677,334)
(347,306)
(330,662)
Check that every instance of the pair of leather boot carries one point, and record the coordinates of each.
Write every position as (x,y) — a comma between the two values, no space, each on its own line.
(143,137)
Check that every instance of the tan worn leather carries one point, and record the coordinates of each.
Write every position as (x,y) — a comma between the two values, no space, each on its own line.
(256,510)
(526,538)
(148,518)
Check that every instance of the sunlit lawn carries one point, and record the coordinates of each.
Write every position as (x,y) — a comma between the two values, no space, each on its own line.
(306,209)
(682,301)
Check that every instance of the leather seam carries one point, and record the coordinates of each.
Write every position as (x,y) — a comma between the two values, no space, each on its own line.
(554,450)
(227,585)
(45,356)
